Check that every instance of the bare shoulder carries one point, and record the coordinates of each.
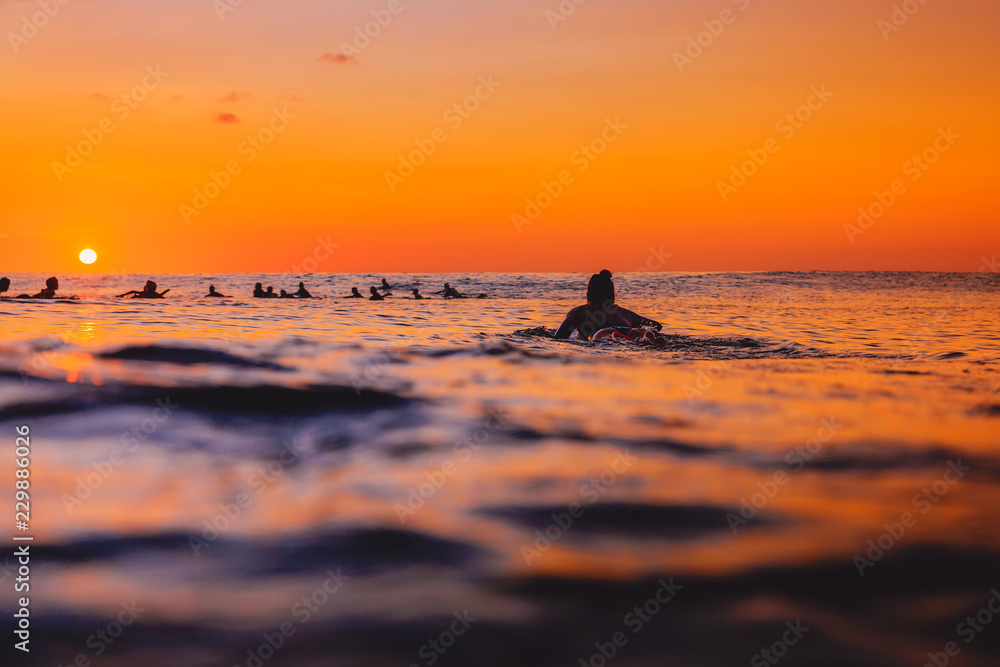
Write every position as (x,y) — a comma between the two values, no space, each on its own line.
(573,319)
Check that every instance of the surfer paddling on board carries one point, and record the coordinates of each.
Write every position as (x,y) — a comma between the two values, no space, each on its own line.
(147,292)
(602,318)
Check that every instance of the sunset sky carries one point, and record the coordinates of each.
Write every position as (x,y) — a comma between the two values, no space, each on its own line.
(338,123)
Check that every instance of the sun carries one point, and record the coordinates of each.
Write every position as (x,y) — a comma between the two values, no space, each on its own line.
(88,256)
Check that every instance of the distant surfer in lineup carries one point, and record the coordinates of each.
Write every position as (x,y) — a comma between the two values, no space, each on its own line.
(417,295)
(375,295)
(4,284)
(386,286)
(51,285)
(450,292)
(259,293)
(286,295)
(355,294)
(303,293)
(602,318)
(213,293)
(147,292)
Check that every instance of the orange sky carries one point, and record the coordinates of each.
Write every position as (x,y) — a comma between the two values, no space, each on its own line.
(656,185)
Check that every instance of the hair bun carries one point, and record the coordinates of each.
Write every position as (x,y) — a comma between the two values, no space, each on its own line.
(605,273)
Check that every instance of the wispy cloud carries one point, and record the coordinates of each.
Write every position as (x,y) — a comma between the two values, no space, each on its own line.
(338,59)
(226,118)
(235,96)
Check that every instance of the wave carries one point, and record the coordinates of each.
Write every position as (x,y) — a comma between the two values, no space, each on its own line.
(516,620)
(361,550)
(186,356)
(625,520)
(269,400)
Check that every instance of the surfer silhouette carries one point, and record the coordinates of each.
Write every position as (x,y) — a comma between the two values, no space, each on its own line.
(450,292)
(147,292)
(602,318)
(51,285)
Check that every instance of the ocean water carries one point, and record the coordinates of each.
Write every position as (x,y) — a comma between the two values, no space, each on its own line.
(809,468)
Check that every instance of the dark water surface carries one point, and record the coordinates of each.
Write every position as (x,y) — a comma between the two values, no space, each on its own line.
(342,482)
